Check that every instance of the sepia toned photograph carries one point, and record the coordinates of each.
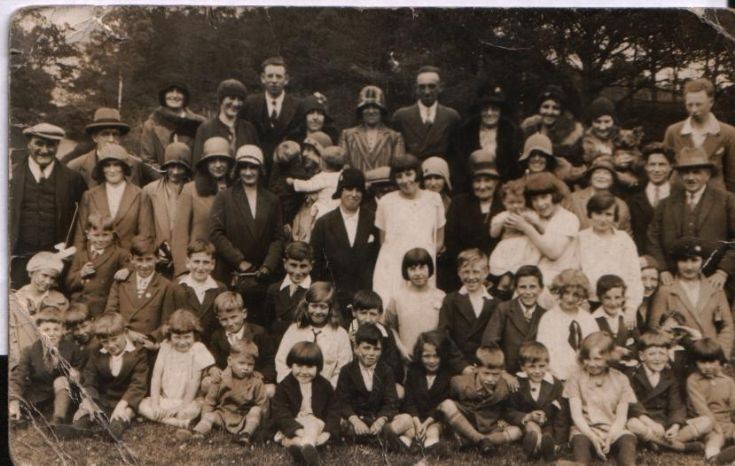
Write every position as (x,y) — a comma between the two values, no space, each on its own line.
(409,236)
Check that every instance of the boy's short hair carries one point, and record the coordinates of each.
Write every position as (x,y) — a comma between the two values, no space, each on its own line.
(471,256)
(607,282)
(182,321)
(528,271)
(417,256)
(276,61)
(708,350)
(367,299)
(602,340)
(299,251)
(490,356)
(513,188)
(306,353)
(658,148)
(109,324)
(570,278)
(701,84)
(429,69)
(200,245)
(100,221)
(142,246)
(369,333)
(532,352)
(600,202)
(228,301)
(77,313)
(654,338)
(244,347)
(49,314)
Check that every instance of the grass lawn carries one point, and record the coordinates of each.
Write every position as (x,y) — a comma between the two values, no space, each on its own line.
(155,445)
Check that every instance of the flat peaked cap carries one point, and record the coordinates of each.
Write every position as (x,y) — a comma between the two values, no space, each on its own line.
(45,131)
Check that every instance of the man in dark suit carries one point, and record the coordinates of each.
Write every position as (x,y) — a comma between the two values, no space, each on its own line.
(698,210)
(428,128)
(659,162)
(346,242)
(44,195)
(274,113)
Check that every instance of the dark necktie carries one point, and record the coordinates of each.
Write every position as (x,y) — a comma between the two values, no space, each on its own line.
(575,335)
(274,115)
(316,334)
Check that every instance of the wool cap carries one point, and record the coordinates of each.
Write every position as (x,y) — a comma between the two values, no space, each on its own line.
(601,106)
(231,88)
(45,131)
(44,260)
(687,247)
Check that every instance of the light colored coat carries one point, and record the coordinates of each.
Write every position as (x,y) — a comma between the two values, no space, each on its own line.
(388,145)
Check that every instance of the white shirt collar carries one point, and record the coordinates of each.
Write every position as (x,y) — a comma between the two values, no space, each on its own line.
(663,190)
(600,312)
(208,284)
(697,195)
(547,377)
(129,348)
(278,100)
(711,126)
(36,169)
(650,373)
(428,112)
(142,283)
(305,283)
(239,334)
(485,294)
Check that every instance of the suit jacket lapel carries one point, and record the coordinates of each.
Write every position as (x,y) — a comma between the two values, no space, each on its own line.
(437,125)
(705,206)
(154,287)
(128,198)
(688,305)
(518,319)
(465,308)
(241,201)
(363,228)
(262,206)
(288,109)
(98,199)
(159,205)
(544,393)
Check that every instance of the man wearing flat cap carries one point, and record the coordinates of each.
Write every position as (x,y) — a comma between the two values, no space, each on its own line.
(699,210)
(43,198)
(108,128)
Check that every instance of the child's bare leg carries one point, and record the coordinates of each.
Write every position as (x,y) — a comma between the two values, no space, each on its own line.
(531,437)
(507,435)
(714,442)
(62,400)
(252,420)
(403,426)
(458,422)
(205,424)
(433,434)
(641,430)
(313,427)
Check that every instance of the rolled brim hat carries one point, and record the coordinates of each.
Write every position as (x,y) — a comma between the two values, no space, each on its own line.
(44,260)
(45,131)
(350,178)
(107,118)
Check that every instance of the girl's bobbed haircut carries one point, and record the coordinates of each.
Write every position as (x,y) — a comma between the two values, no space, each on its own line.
(182,321)
(708,350)
(405,163)
(600,340)
(416,256)
(318,292)
(305,353)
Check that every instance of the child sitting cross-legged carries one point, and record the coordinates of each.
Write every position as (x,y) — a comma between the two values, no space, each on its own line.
(366,391)
(177,372)
(303,407)
(660,416)
(236,400)
(478,403)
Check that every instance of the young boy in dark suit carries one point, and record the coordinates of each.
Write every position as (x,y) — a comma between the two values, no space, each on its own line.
(610,318)
(80,328)
(366,390)
(516,322)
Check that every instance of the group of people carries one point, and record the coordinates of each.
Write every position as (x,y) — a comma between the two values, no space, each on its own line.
(405,279)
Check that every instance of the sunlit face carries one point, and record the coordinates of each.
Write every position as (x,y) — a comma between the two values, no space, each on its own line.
(483,186)
(371,115)
(367,316)
(200,265)
(418,275)
(428,87)
(52,332)
(176,173)
(698,104)
(596,362)
(473,275)
(182,342)
(689,268)
(315,120)
(658,168)
(242,365)
(549,111)
(297,270)
(601,179)
(570,298)
(406,181)
(106,136)
(430,358)
(612,300)
(44,279)
(114,344)
(319,313)
(274,78)
(231,105)
(217,167)
(544,205)
(513,203)
(602,125)
(99,238)
(489,377)
(232,320)
(114,172)
(528,290)
(603,221)
(649,278)
(82,331)
(694,178)
(303,373)
(709,369)
(350,199)
(174,99)
(42,151)
(490,116)
(536,370)
(655,358)
(434,183)
(368,354)
(249,174)
(144,265)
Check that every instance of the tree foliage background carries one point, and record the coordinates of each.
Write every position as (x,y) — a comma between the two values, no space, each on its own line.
(126,53)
